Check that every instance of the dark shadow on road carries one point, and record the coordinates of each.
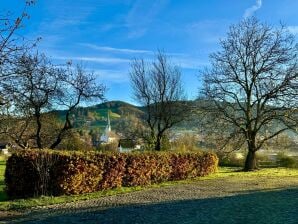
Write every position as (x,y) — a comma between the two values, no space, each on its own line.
(274,207)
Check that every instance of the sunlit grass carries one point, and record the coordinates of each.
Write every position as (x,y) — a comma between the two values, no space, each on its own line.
(3,196)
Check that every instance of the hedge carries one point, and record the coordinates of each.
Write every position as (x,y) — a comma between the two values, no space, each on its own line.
(45,172)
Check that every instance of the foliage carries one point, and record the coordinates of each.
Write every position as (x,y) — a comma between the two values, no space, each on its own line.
(185,142)
(131,126)
(230,159)
(108,147)
(32,172)
(77,142)
(287,161)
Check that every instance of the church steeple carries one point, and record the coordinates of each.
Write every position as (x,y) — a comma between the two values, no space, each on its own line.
(109,123)
(105,137)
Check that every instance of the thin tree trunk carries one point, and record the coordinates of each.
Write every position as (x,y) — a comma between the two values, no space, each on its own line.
(158,143)
(38,130)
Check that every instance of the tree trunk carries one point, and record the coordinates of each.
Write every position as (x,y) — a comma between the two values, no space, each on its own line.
(158,143)
(251,161)
(67,126)
(38,130)
(56,143)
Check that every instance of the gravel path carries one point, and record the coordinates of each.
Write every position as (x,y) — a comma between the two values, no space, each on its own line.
(265,200)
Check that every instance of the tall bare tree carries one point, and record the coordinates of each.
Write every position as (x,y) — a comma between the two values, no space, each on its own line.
(158,88)
(252,85)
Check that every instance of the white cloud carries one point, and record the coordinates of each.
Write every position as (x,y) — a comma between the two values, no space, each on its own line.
(115,76)
(138,32)
(119,50)
(141,15)
(251,10)
(103,60)
(293,29)
(133,52)
(208,31)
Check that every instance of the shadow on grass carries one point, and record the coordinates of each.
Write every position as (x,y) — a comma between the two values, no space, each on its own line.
(3,196)
(273,207)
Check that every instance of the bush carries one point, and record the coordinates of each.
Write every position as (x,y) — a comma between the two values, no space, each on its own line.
(32,172)
(186,143)
(108,147)
(286,161)
(231,159)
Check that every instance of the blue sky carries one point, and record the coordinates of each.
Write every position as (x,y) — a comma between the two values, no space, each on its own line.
(104,35)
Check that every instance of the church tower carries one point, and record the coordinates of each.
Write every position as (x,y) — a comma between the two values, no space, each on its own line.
(106,136)
(108,128)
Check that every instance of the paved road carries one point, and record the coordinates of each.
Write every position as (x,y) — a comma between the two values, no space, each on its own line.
(266,200)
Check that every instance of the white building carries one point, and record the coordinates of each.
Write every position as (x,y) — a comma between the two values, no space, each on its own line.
(4,148)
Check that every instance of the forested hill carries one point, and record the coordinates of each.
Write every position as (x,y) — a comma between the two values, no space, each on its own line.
(95,117)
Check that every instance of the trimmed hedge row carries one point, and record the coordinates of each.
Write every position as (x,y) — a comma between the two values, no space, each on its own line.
(32,172)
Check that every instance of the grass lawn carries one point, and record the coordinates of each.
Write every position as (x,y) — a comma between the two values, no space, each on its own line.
(3,196)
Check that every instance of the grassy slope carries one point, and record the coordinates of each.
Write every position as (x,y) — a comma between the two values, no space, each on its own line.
(224,174)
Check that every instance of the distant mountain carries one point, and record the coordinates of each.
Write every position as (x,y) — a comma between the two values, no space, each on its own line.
(95,117)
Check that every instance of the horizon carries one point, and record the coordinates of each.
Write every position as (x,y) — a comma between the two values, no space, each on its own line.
(105,36)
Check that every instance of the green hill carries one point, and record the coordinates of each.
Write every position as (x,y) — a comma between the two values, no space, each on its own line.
(95,117)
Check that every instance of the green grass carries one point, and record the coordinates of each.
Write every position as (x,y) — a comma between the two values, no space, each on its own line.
(226,173)
(3,196)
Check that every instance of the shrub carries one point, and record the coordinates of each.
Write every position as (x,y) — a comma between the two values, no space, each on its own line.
(75,175)
(286,161)
(32,172)
(113,170)
(108,147)
(185,143)
(21,177)
(230,159)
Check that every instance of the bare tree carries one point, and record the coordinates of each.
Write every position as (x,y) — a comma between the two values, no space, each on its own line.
(158,88)
(38,88)
(11,44)
(77,87)
(252,85)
